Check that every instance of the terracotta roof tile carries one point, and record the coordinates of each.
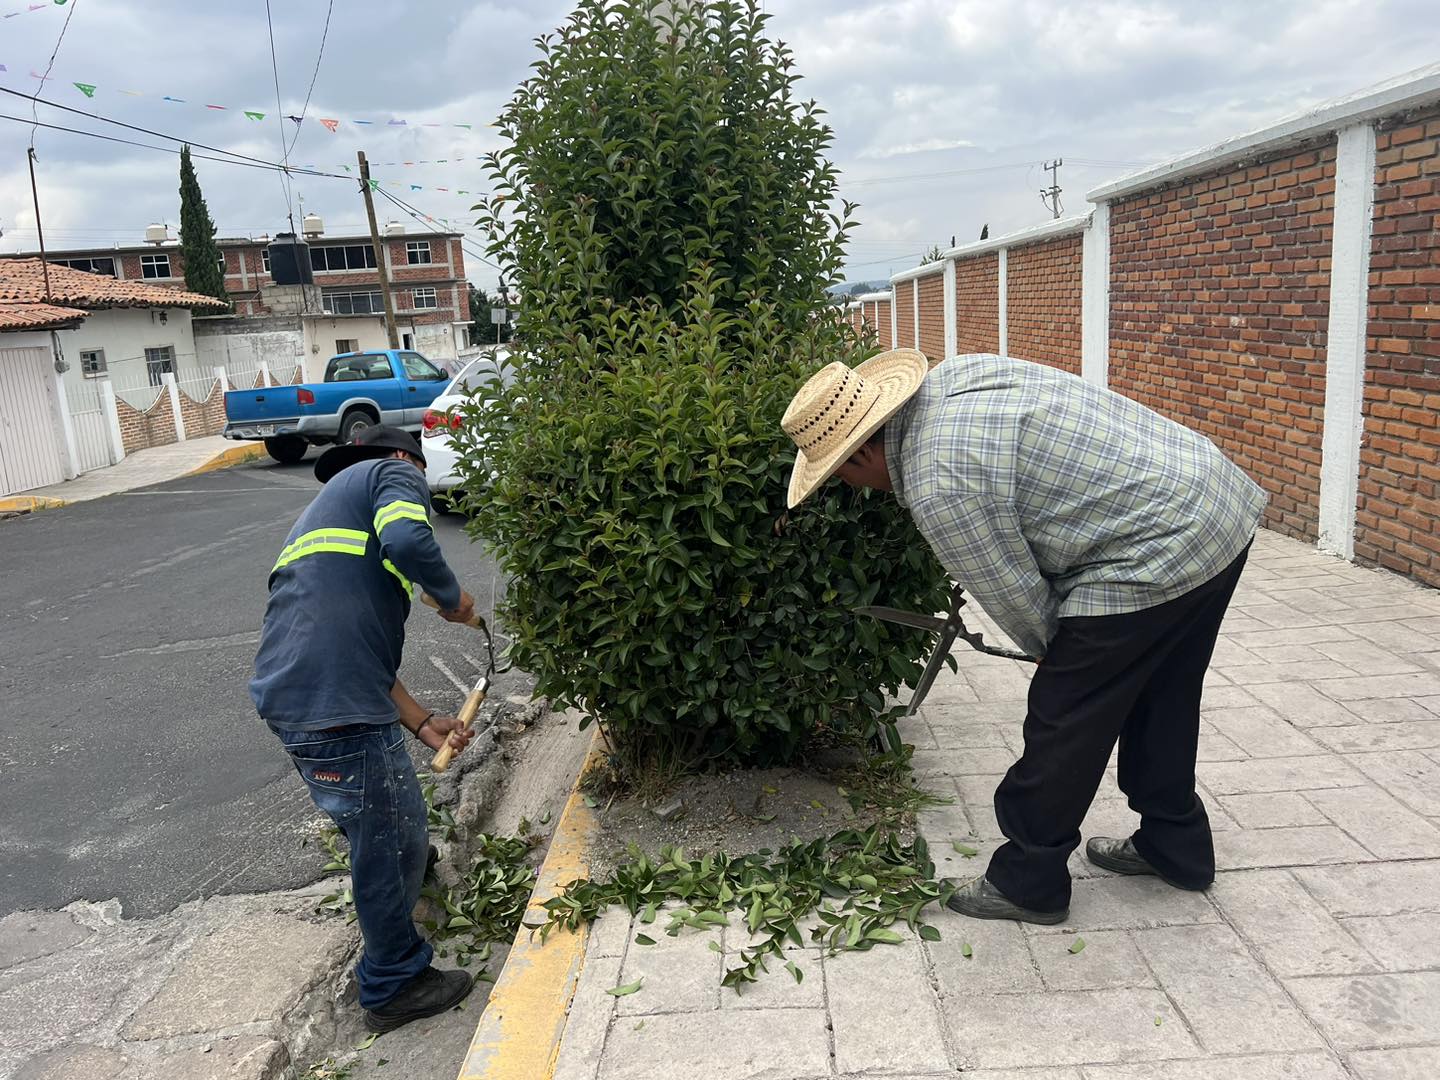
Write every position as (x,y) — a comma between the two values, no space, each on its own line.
(37,316)
(23,280)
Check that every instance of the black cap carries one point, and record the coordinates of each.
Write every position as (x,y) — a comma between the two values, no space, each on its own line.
(373,442)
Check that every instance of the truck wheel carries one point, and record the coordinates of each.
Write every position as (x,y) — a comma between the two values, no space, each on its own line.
(286,449)
(352,424)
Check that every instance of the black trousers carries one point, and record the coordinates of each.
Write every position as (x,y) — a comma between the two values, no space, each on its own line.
(1135,677)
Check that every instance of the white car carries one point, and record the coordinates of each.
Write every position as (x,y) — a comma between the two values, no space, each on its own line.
(443,416)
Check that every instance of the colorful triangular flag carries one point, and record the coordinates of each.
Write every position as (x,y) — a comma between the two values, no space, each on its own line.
(397,123)
(416,187)
(250,114)
(218,108)
(330,125)
(298,120)
(177,100)
(88,89)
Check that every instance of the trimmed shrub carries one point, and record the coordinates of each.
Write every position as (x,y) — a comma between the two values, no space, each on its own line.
(662,210)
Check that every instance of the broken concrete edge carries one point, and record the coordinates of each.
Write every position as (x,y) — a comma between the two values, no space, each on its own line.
(235,455)
(28,504)
(518,1036)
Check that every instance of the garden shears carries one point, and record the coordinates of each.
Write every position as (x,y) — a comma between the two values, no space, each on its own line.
(949,626)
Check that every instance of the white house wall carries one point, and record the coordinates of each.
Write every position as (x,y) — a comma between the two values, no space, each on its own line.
(125,334)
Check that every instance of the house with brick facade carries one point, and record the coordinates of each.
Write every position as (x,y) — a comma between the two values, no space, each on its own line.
(57,325)
(426,271)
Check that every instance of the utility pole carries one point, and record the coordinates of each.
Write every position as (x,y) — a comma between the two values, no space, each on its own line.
(379,251)
(35,195)
(1051,196)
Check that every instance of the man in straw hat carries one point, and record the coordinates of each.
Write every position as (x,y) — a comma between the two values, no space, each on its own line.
(1105,540)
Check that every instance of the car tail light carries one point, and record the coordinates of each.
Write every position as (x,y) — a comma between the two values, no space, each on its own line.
(305,397)
(437,423)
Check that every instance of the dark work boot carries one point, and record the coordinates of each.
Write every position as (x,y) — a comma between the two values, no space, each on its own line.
(1121,857)
(430,993)
(981,900)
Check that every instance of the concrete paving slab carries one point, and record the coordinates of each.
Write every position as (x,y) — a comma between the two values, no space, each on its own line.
(1293,932)
(1411,1063)
(1361,1012)
(1276,1067)
(252,970)
(754,1044)
(897,1029)
(1381,889)
(1399,942)
(25,935)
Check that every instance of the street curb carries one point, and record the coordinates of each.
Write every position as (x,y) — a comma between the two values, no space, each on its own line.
(518,1036)
(26,504)
(235,455)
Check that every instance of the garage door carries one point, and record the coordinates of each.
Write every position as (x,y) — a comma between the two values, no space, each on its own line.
(29,451)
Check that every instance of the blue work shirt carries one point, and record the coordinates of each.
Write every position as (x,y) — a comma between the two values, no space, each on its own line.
(339,595)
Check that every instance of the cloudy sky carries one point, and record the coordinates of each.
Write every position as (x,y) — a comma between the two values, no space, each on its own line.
(943,110)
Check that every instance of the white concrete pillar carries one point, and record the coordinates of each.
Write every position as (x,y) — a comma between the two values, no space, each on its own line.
(61,406)
(1002,278)
(1344,419)
(915,308)
(174,392)
(894,318)
(1095,298)
(952,333)
(222,378)
(112,421)
(265,379)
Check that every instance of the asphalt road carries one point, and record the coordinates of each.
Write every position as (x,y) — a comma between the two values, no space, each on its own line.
(132,764)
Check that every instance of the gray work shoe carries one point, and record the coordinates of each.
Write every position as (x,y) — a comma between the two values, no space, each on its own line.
(981,900)
(1121,857)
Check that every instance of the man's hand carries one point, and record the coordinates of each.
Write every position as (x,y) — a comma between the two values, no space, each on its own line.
(464,613)
(438,730)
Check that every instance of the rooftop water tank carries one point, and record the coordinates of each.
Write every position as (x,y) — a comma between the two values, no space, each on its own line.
(312,226)
(394,228)
(156,234)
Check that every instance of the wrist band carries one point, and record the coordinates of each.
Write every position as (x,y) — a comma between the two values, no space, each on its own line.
(422,723)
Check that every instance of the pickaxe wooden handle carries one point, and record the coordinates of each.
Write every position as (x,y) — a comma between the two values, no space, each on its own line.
(468,711)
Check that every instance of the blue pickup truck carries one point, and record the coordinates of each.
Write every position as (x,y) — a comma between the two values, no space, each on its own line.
(388,386)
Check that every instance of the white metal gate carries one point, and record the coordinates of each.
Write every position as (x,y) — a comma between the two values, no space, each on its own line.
(29,448)
(90,425)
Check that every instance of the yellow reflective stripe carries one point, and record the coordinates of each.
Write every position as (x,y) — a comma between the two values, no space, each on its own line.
(397,510)
(404,581)
(341,541)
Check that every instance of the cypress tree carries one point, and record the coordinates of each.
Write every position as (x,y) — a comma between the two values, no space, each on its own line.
(198,249)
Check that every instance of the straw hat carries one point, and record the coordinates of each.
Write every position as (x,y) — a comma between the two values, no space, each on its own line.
(839,408)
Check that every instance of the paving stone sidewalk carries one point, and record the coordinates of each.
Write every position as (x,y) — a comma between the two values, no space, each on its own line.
(1316,956)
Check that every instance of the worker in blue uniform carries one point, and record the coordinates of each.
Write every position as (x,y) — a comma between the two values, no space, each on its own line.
(326,682)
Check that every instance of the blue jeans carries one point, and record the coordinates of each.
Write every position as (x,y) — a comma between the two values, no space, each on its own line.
(362,777)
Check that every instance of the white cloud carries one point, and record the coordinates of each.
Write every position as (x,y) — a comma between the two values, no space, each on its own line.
(925,86)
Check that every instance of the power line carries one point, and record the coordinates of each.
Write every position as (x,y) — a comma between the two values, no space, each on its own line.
(420,216)
(280,119)
(34,114)
(324,35)
(159,134)
(253,163)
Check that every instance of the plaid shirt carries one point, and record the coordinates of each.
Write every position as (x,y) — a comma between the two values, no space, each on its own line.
(1048,497)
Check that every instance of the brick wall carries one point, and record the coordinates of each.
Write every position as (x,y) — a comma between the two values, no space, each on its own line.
(202,417)
(932,317)
(1042,299)
(876,316)
(904,316)
(977,304)
(1398,512)
(142,430)
(1219,296)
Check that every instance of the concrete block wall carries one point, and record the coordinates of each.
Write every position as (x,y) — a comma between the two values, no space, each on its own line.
(206,417)
(1278,292)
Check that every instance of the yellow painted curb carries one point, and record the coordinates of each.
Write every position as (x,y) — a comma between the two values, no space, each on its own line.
(518,1037)
(25,504)
(236,455)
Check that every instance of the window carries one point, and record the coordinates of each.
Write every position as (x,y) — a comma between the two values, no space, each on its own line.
(90,266)
(343,257)
(265,259)
(354,303)
(346,345)
(220,261)
(357,368)
(408,340)
(158,362)
(92,362)
(417,252)
(425,298)
(154,266)
(417,367)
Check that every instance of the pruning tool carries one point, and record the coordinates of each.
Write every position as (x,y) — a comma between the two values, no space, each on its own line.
(476,697)
(949,627)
